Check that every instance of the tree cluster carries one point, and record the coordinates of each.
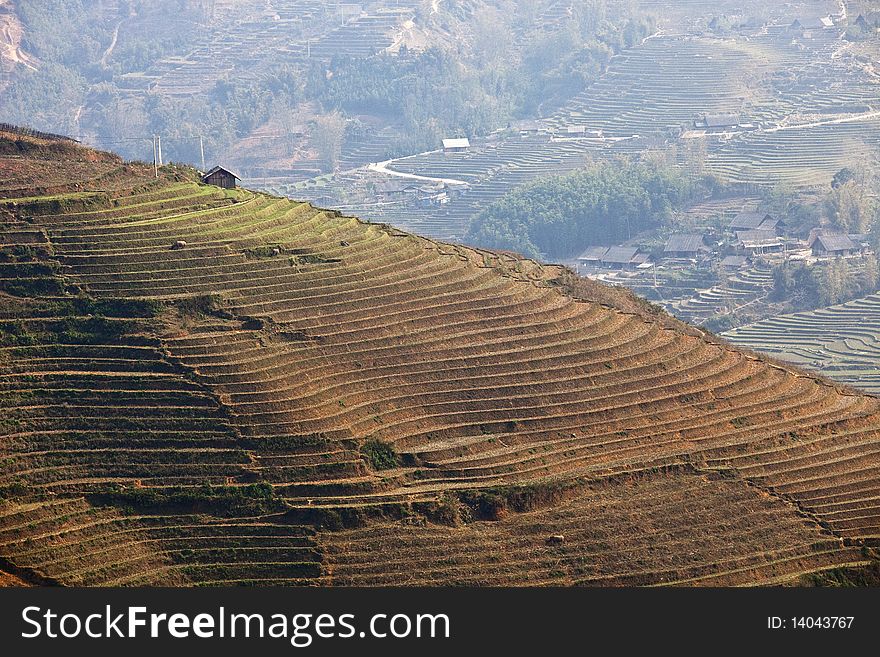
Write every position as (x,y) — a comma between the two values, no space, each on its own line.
(605,204)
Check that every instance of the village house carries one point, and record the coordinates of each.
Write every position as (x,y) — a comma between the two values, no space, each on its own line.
(808,28)
(759,241)
(641,261)
(220,177)
(832,245)
(583,131)
(456,188)
(431,195)
(592,256)
(755,221)
(716,122)
(734,262)
(621,257)
(526,128)
(456,145)
(391,189)
(685,246)
(801,24)
(615,257)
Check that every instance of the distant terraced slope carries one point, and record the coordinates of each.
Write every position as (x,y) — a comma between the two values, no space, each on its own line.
(842,341)
(202,386)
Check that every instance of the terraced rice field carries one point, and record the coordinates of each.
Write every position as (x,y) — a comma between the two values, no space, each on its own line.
(841,341)
(800,156)
(194,382)
(808,103)
(666,81)
(665,530)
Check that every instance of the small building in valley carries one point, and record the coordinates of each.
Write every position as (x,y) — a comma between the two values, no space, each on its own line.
(398,188)
(526,128)
(685,246)
(760,241)
(754,221)
(621,257)
(809,27)
(592,256)
(430,195)
(716,122)
(833,244)
(456,145)
(734,262)
(582,131)
(220,177)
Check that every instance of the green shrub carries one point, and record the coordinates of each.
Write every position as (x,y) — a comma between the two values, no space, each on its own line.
(202,304)
(380,455)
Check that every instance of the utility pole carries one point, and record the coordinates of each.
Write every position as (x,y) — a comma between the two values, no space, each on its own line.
(202,149)
(159,143)
(155,158)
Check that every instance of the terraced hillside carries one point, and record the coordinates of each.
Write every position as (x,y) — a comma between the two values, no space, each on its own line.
(804,102)
(204,386)
(841,340)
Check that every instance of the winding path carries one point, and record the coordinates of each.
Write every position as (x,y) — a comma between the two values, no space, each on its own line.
(382,167)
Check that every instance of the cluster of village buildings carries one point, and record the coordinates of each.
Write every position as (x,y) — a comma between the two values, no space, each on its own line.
(424,193)
(747,236)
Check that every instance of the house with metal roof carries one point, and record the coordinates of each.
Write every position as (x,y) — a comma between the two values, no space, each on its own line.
(620,257)
(759,241)
(396,188)
(733,262)
(832,244)
(593,255)
(685,246)
(526,127)
(748,220)
(456,145)
(716,122)
(220,177)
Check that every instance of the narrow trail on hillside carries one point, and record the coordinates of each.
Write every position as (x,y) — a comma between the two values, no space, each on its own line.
(866,116)
(76,117)
(112,45)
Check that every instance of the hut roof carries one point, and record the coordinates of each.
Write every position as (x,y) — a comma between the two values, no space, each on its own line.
(219,169)
(685,244)
(620,255)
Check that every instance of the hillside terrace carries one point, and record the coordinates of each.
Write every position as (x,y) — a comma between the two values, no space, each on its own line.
(210,413)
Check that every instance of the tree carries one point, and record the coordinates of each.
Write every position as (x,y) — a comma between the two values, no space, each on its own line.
(327,134)
(695,156)
(602,205)
(849,207)
(870,274)
(843,176)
